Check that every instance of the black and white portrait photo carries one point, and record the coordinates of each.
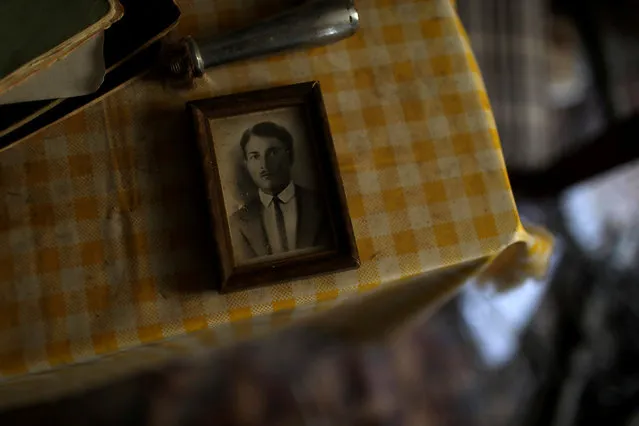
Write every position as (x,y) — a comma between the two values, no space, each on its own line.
(278,207)
(270,184)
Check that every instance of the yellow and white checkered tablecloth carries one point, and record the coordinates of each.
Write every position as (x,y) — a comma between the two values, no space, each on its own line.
(104,244)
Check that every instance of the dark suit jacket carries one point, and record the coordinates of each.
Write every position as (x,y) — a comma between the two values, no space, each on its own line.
(249,235)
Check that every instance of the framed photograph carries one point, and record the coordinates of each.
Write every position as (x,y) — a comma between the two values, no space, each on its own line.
(276,197)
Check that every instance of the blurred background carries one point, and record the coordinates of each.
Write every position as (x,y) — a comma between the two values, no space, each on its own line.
(563,80)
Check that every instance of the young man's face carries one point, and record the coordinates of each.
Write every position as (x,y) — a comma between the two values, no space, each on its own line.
(269,163)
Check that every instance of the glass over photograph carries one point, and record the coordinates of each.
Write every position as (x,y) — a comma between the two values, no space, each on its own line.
(270,185)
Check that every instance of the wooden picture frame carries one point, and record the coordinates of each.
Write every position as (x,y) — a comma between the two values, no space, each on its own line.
(272,234)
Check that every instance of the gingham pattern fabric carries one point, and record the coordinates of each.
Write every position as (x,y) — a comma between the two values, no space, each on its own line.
(355,326)
(104,239)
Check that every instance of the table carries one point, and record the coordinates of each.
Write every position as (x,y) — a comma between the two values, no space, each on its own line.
(104,247)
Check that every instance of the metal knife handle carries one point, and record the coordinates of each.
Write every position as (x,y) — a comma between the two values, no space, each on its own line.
(315,23)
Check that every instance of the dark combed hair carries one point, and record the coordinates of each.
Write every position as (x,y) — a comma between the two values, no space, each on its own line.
(268,129)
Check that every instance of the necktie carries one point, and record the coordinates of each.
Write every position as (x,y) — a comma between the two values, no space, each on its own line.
(279,219)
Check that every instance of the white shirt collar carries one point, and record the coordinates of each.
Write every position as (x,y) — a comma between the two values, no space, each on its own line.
(285,196)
